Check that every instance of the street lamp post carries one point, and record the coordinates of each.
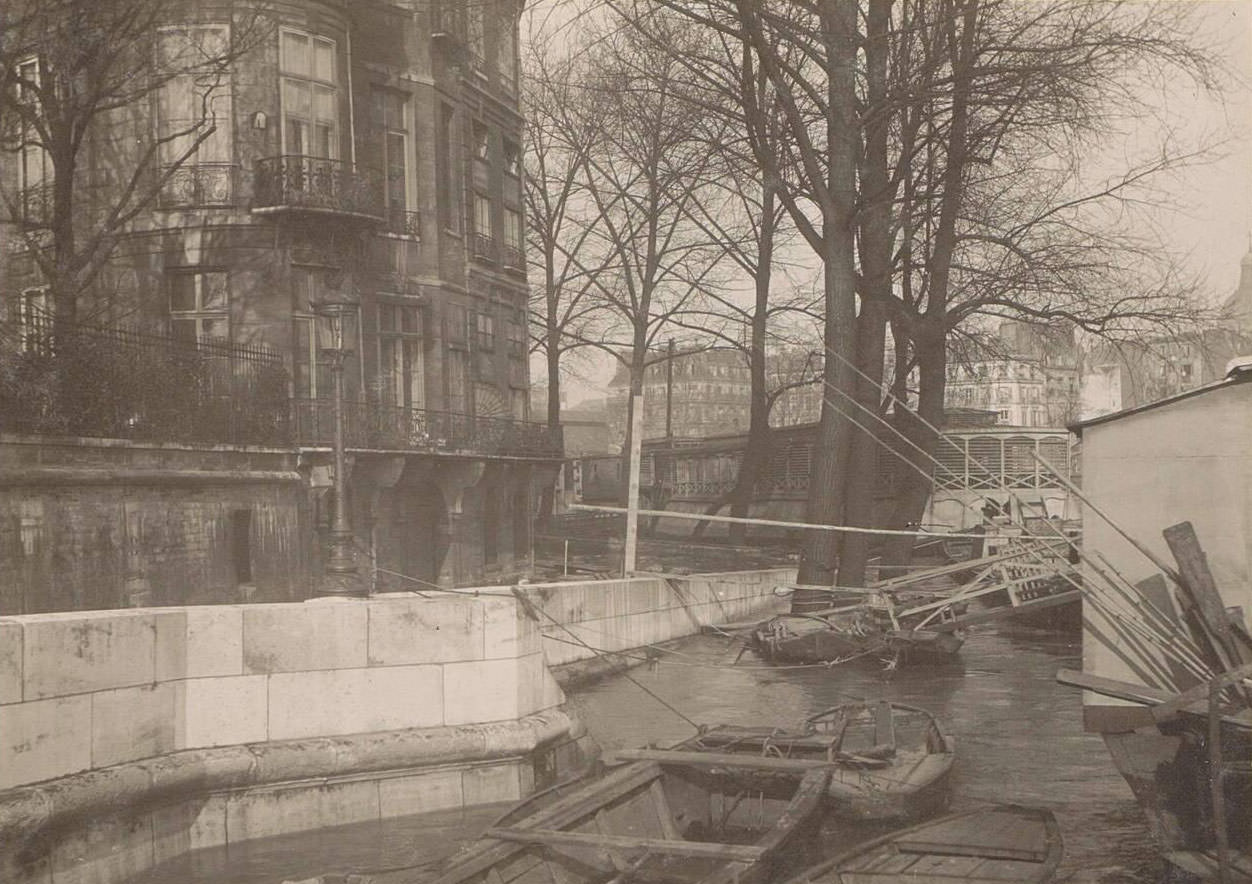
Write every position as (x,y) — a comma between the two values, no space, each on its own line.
(342,577)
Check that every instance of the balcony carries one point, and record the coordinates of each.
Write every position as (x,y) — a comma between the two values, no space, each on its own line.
(199,185)
(389,428)
(402,222)
(294,183)
(511,258)
(35,206)
(483,248)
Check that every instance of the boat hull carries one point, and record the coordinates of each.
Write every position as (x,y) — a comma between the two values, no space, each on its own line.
(832,645)
(1005,843)
(890,761)
(660,821)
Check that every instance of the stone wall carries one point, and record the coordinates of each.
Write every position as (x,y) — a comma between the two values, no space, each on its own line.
(168,729)
(98,524)
(128,737)
(617,615)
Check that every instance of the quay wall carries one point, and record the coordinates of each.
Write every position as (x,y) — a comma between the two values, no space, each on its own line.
(129,737)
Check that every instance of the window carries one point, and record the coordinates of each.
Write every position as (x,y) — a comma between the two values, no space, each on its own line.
(310,357)
(474,36)
(513,228)
(482,215)
(310,95)
(391,112)
(457,369)
(400,368)
(195,98)
(481,142)
(517,339)
(199,305)
(450,197)
(506,49)
(34,161)
(512,158)
(485,332)
(34,321)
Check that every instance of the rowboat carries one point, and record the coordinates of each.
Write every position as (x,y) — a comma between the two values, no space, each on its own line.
(670,820)
(890,761)
(848,635)
(1005,843)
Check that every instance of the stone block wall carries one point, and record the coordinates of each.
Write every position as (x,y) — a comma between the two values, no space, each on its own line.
(617,615)
(163,730)
(101,523)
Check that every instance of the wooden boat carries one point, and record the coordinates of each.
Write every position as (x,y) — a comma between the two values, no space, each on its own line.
(848,635)
(890,761)
(671,819)
(1007,843)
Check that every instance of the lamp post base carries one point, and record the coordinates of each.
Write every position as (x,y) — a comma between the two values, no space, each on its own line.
(340,577)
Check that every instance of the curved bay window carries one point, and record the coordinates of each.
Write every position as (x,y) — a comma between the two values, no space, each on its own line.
(310,95)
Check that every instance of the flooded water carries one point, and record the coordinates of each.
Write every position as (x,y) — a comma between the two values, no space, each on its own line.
(1018,734)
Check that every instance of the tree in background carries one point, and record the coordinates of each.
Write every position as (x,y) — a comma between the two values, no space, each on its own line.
(78,80)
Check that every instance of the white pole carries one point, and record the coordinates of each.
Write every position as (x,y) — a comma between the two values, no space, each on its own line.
(632,488)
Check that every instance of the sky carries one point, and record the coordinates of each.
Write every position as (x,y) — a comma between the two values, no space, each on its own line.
(1205,216)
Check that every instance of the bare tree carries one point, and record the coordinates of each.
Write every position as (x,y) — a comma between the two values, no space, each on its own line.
(78,80)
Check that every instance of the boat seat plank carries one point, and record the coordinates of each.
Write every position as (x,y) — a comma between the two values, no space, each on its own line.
(890,862)
(697,849)
(1006,870)
(945,865)
(994,836)
(722,759)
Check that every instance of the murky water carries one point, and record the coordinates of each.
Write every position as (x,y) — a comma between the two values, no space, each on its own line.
(1019,739)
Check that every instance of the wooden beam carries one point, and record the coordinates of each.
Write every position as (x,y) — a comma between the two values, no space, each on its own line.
(722,759)
(1200,589)
(747,853)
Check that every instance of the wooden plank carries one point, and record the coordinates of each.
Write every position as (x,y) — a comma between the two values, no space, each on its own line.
(991,835)
(963,620)
(625,843)
(664,815)
(884,726)
(722,759)
(1155,590)
(1201,590)
(563,812)
(1111,687)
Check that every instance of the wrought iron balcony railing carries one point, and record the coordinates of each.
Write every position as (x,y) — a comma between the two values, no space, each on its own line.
(316,184)
(199,185)
(511,257)
(391,428)
(483,247)
(403,222)
(35,206)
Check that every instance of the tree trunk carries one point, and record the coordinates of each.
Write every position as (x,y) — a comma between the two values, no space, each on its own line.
(827,478)
(875,251)
(547,500)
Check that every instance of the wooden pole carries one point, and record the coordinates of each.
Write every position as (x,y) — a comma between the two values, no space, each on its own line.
(632,487)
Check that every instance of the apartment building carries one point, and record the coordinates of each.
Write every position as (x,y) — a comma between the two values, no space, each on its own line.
(355,211)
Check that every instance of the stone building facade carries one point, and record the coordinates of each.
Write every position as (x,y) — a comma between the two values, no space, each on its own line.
(1030,379)
(366,154)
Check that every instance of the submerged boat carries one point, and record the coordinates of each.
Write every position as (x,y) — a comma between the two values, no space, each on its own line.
(1007,843)
(890,761)
(845,635)
(672,819)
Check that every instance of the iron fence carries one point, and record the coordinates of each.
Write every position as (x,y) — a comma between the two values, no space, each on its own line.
(367,425)
(317,183)
(62,378)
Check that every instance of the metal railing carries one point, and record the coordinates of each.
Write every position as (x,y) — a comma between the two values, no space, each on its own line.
(404,222)
(317,184)
(199,184)
(511,257)
(61,378)
(483,247)
(394,428)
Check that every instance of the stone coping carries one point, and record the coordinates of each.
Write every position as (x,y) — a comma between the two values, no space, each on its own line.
(33,816)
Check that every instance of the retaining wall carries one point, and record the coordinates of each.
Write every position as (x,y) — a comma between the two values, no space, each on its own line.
(128,737)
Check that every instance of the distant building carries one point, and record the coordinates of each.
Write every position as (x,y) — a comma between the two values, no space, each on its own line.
(702,393)
(1031,382)
(1128,375)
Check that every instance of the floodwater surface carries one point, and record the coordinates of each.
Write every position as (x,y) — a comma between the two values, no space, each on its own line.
(1019,739)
